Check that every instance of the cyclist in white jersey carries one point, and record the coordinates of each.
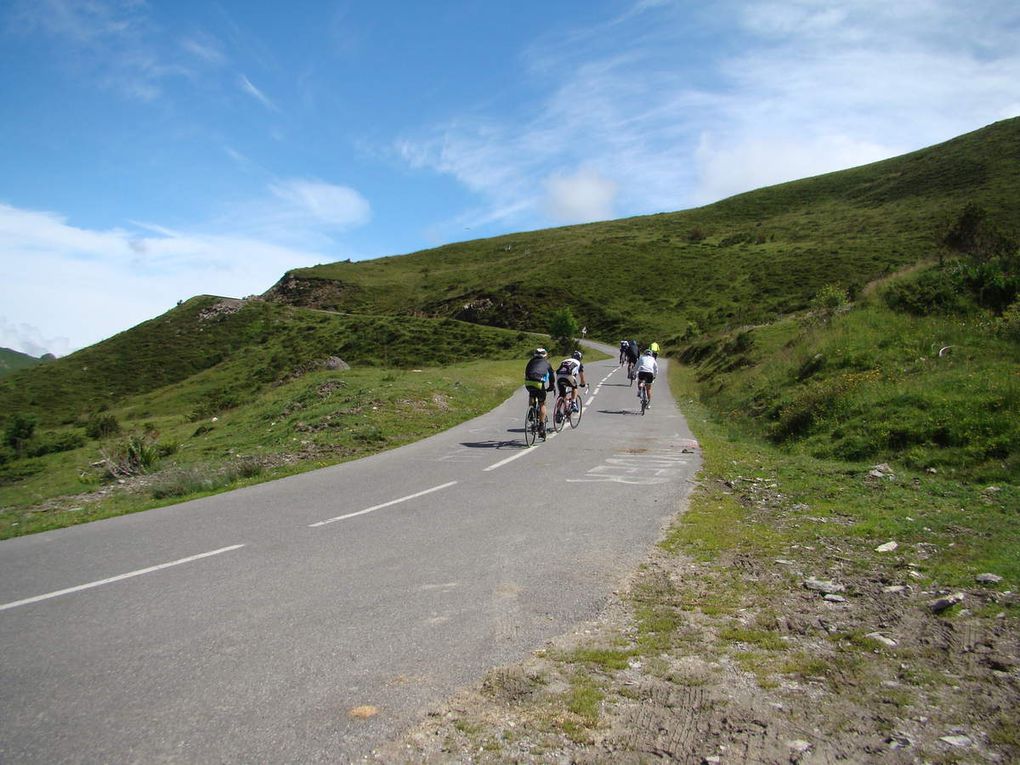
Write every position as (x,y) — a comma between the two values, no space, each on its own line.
(569,373)
(647,370)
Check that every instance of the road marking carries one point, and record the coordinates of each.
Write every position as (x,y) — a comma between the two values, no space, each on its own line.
(384,504)
(549,436)
(118,578)
(640,469)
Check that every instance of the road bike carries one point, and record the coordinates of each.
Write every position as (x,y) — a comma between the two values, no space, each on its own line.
(566,411)
(532,420)
(631,374)
(642,390)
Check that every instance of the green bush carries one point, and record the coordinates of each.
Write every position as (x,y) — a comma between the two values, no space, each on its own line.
(19,431)
(563,328)
(102,426)
(52,443)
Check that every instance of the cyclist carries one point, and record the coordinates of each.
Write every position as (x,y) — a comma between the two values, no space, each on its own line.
(624,345)
(569,372)
(647,370)
(654,348)
(632,357)
(539,378)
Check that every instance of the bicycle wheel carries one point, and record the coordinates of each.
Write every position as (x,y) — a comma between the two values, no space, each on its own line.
(560,413)
(575,416)
(630,374)
(530,426)
(644,399)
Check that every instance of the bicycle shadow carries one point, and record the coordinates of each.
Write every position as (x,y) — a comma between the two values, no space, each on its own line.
(494,444)
(618,411)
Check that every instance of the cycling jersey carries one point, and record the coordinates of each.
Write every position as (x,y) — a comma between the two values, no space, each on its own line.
(648,365)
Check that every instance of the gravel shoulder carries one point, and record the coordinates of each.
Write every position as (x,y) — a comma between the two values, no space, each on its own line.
(753,659)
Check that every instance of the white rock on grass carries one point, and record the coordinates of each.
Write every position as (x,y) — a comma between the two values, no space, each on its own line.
(887,547)
(956,740)
(879,637)
(821,585)
(989,578)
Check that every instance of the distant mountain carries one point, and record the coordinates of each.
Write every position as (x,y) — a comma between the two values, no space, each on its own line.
(11,361)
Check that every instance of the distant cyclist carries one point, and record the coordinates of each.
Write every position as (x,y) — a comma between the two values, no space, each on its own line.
(654,348)
(632,356)
(569,374)
(624,351)
(539,378)
(647,371)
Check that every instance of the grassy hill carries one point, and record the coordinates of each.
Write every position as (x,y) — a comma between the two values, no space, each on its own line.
(745,260)
(220,391)
(11,361)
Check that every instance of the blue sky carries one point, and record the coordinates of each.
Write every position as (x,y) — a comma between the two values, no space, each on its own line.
(152,151)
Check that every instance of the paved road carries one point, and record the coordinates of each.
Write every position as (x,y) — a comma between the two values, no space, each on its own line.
(245,627)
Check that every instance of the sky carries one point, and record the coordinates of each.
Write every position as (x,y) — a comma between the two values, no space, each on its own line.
(154,150)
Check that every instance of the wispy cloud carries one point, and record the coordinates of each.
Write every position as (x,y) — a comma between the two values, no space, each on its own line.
(258,95)
(795,89)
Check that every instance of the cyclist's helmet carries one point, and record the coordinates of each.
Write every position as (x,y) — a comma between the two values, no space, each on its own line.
(577,355)
(648,352)
(540,352)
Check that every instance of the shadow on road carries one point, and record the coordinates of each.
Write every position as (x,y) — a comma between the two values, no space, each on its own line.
(618,411)
(494,444)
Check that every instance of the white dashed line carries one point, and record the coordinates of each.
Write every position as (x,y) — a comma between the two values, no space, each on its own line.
(118,578)
(384,504)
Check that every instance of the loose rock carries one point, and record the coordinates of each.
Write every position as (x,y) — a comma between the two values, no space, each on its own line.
(948,601)
(887,547)
(989,578)
(820,585)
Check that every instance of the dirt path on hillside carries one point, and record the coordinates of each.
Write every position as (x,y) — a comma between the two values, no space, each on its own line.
(867,672)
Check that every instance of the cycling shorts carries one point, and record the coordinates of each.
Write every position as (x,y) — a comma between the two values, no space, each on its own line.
(566,381)
(645,377)
(535,389)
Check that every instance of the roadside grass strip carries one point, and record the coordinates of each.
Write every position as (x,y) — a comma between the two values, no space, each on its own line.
(117,578)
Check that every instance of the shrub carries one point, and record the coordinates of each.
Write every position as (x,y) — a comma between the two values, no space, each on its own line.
(102,426)
(131,456)
(52,443)
(830,299)
(19,431)
(1008,325)
(564,328)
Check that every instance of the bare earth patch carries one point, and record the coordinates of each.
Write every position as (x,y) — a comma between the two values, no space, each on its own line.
(742,661)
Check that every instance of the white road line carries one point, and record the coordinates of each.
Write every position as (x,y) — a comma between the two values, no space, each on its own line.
(118,578)
(549,436)
(384,504)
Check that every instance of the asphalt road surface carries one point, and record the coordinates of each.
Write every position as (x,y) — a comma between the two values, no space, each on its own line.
(247,626)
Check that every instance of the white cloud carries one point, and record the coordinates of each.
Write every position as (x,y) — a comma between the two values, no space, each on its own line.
(335,207)
(582,197)
(686,107)
(64,287)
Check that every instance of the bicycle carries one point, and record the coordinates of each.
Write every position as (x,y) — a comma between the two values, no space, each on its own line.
(532,421)
(631,374)
(565,412)
(643,394)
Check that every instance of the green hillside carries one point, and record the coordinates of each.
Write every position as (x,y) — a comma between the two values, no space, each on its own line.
(11,361)
(745,260)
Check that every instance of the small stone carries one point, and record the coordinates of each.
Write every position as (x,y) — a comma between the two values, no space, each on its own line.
(948,601)
(899,742)
(879,637)
(989,578)
(784,562)
(887,547)
(956,740)
(713,759)
(833,598)
(819,585)
(799,745)
(892,588)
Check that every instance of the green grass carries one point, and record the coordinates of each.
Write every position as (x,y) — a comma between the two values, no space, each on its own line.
(816,503)
(315,420)
(746,260)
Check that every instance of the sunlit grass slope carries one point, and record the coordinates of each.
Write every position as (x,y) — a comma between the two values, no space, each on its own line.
(747,259)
